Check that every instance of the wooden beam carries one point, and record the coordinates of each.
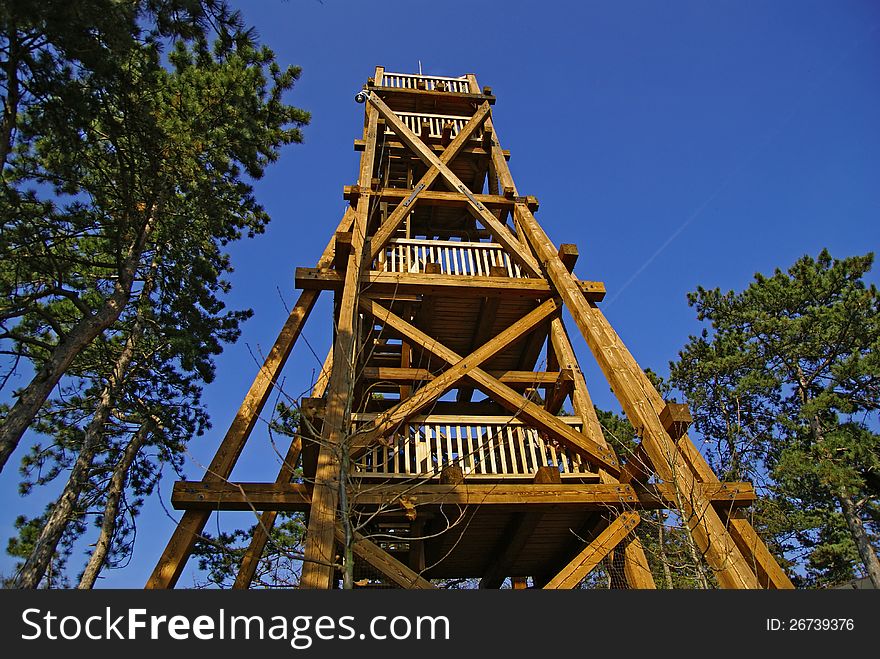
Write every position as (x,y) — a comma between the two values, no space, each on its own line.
(501,393)
(459,368)
(623,374)
(499,231)
(568,254)
(384,562)
(436,198)
(390,226)
(318,561)
(407,283)
(582,564)
(251,559)
(636,569)
(170,565)
(213,495)
(519,378)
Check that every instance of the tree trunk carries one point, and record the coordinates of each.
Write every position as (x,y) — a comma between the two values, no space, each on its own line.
(863,542)
(65,507)
(661,539)
(32,397)
(111,508)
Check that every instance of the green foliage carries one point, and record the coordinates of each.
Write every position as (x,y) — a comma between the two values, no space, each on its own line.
(131,135)
(785,389)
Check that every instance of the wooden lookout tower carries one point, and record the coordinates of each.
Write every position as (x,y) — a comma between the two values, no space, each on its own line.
(452,434)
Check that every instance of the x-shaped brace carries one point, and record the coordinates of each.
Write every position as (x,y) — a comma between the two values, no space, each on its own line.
(439,167)
(469,367)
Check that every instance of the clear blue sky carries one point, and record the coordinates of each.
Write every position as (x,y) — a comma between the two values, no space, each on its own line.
(677,144)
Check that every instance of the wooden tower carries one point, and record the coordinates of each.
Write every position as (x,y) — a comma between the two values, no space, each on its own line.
(446,285)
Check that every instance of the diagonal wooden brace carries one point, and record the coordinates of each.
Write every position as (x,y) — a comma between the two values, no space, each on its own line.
(582,564)
(513,401)
(176,553)
(428,394)
(384,562)
(502,234)
(383,235)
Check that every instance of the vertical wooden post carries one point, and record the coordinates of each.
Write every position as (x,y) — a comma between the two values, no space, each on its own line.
(622,372)
(636,569)
(318,563)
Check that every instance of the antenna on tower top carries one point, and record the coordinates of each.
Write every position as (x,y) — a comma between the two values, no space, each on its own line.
(420,67)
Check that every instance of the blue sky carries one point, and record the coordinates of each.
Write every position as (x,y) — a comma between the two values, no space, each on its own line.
(676,143)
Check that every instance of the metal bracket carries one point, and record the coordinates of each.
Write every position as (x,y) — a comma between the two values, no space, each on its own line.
(470,195)
(417,190)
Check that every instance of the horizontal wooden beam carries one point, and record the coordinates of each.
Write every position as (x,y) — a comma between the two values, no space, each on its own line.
(437,198)
(389,93)
(377,283)
(202,495)
(523,378)
(392,144)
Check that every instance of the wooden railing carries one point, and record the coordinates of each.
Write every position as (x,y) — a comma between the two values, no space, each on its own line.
(436,122)
(454,257)
(483,447)
(429,83)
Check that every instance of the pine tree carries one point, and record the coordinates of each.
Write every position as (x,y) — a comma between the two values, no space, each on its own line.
(786,386)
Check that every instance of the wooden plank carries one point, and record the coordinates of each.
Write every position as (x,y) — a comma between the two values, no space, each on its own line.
(459,368)
(251,559)
(318,560)
(379,283)
(499,231)
(582,564)
(520,378)
(175,555)
(219,495)
(384,562)
(392,223)
(500,392)
(621,370)
(438,198)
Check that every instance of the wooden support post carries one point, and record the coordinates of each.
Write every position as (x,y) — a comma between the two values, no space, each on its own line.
(582,564)
(636,568)
(628,383)
(318,562)
(170,565)
(251,559)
